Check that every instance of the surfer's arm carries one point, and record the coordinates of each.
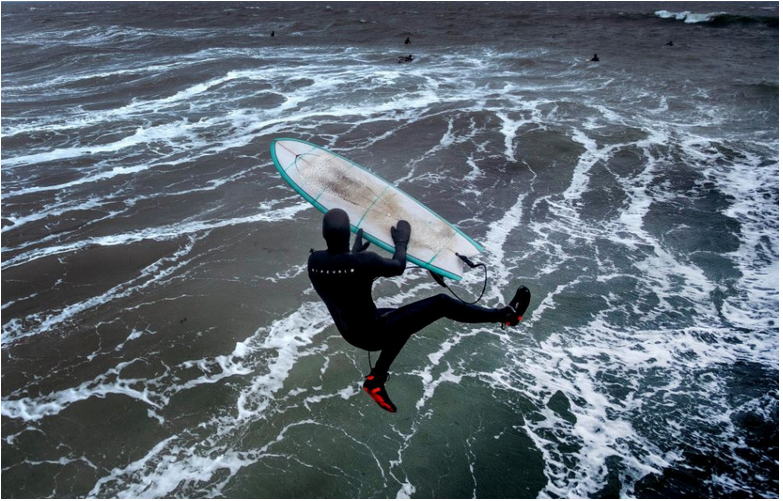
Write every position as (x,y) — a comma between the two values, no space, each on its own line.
(400,234)
(394,267)
(400,252)
(380,266)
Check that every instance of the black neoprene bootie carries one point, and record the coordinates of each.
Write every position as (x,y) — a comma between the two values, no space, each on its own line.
(373,386)
(518,304)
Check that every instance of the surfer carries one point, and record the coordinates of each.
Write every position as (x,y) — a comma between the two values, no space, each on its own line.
(343,279)
(407,41)
(595,58)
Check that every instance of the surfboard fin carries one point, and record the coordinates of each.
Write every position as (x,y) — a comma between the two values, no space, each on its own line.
(468,261)
(438,279)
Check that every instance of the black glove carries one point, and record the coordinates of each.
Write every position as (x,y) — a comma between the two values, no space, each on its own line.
(402,233)
(357,243)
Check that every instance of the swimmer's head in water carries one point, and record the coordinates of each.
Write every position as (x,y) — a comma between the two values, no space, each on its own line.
(337,231)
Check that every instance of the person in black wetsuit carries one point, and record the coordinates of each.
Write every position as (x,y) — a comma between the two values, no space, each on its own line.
(343,279)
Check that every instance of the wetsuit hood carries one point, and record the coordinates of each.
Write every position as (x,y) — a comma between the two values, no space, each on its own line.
(337,231)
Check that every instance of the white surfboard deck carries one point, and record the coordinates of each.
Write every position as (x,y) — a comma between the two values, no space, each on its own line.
(329,181)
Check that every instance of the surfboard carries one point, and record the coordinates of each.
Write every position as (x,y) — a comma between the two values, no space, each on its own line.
(328,181)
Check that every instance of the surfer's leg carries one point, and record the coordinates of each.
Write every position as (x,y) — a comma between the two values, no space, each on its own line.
(415,316)
(398,325)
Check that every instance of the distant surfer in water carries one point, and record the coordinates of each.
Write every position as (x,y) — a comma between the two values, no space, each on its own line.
(405,59)
(595,58)
(407,41)
(343,279)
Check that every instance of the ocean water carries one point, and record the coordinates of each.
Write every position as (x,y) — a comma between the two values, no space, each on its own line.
(160,337)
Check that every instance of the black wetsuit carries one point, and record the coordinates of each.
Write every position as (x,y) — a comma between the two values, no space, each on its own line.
(343,279)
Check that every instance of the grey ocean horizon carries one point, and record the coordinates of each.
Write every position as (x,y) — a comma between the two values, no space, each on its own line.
(160,337)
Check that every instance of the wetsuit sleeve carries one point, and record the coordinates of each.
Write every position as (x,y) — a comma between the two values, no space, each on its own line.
(384,267)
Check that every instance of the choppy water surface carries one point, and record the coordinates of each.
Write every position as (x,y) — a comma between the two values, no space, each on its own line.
(160,337)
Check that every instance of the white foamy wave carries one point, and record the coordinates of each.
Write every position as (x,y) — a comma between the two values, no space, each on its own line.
(167,133)
(530,113)
(285,336)
(110,383)
(747,179)
(448,376)
(40,323)
(688,16)
(600,424)
(495,244)
(55,210)
(89,78)
(73,204)
(189,463)
(163,233)
(575,363)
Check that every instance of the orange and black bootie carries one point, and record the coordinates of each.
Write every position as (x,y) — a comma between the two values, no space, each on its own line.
(519,304)
(373,385)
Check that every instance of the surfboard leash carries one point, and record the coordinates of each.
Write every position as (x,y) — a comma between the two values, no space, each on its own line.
(470,263)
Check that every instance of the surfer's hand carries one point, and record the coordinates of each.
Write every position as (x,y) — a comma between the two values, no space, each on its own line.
(402,233)
(357,243)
